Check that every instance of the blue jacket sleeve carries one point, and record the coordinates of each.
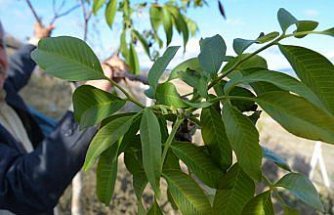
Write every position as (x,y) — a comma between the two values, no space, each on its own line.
(21,67)
(33,183)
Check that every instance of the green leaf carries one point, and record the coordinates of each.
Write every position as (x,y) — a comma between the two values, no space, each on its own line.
(155,17)
(253,62)
(329,32)
(143,42)
(243,105)
(171,161)
(167,94)
(300,186)
(68,58)
(314,70)
(240,45)
(188,196)
(298,116)
(268,37)
(167,21)
(133,60)
(285,19)
(214,136)
(192,26)
(213,50)
(151,147)
(192,64)
(180,23)
(123,46)
(278,79)
(305,25)
(97,4)
(92,105)
(195,80)
(106,174)
(235,190)
(198,162)
(160,65)
(244,139)
(277,159)
(111,12)
(134,163)
(106,137)
(155,209)
(259,205)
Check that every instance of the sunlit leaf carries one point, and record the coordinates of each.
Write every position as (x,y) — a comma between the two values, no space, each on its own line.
(92,105)
(314,70)
(68,58)
(97,4)
(151,147)
(106,137)
(298,116)
(110,12)
(167,94)
(133,60)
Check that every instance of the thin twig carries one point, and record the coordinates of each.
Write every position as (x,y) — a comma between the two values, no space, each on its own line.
(57,16)
(34,12)
(87,16)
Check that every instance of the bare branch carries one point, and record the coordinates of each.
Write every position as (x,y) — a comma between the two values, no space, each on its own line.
(87,16)
(140,78)
(34,12)
(57,16)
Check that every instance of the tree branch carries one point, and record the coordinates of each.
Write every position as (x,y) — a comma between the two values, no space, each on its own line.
(34,12)
(59,15)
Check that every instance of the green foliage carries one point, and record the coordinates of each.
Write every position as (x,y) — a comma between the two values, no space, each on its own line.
(68,58)
(92,105)
(151,147)
(235,190)
(302,188)
(243,85)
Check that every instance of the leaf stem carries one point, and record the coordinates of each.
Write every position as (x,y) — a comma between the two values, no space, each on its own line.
(129,97)
(170,138)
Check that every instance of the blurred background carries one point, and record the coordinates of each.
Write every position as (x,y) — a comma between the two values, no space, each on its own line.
(244,19)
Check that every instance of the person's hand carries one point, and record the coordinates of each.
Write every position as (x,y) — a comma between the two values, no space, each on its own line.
(41,32)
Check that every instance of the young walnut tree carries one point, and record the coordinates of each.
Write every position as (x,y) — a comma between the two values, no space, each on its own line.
(243,87)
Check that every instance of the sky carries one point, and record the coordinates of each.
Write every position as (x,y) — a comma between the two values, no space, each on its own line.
(245,19)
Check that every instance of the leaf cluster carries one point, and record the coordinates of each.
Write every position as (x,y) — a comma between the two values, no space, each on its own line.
(243,86)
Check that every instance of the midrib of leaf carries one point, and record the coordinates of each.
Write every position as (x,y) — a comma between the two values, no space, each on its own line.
(206,169)
(310,77)
(281,109)
(76,62)
(183,194)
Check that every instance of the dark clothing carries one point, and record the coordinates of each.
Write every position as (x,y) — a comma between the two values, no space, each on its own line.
(32,183)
